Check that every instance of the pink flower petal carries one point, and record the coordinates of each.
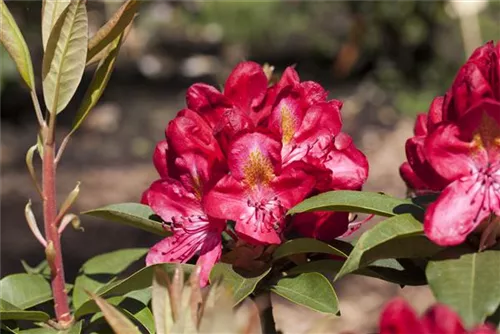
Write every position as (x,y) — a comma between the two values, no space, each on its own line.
(458,211)
(160,156)
(399,318)
(208,102)
(440,319)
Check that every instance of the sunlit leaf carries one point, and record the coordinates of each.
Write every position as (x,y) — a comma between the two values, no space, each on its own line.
(99,82)
(396,237)
(108,33)
(111,263)
(311,290)
(25,290)
(133,214)
(117,320)
(65,56)
(241,286)
(14,43)
(468,284)
(357,201)
(51,11)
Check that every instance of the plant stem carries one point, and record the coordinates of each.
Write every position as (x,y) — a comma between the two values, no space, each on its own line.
(53,251)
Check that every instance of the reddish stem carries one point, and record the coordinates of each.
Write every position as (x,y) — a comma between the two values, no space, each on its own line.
(51,234)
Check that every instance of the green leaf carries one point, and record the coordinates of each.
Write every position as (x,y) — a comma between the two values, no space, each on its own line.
(118,322)
(241,286)
(305,245)
(137,281)
(42,268)
(14,43)
(51,11)
(11,312)
(133,214)
(25,290)
(311,290)
(396,237)
(99,82)
(111,263)
(115,27)
(468,284)
(357,201)
(65,56)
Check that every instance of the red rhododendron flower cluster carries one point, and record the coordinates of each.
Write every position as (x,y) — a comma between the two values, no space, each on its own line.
(247,155)
(399,318)
(456,150)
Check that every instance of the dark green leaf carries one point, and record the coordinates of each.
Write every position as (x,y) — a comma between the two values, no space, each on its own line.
(241,286)
(14,43)
(133,214)
(11,312)
(115,27)
(111,263)
(468,284)
(99,82)
(139,280)
(25,290)
(305,245)
(397,237)
(65,56)
(311,290)
(357,201)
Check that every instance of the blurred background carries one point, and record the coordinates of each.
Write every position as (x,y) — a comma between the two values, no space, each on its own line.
(385,59)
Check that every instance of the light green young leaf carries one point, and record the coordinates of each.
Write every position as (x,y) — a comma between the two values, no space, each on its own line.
(396,237)
(108,33)
(99,82)
(137,281)
(357,201)
(117,320)
(65,56)
(311,290)
(11,312)
(14,43)
(111,263)
(25,290)
(468,284)
(51,11)
(133,214)
(240,286)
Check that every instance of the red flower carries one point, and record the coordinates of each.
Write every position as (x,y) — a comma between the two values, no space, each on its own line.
(258,192)
(399,318)
(468,154)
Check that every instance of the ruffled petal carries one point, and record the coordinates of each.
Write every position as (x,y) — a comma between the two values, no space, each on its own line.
(177,248)
(458,211)
(314,93)
(160,156)
(320,119)
(169,199)
(483,329)
(435,115)
(399,318)
(321,225)
(411,179)
(441,319)
(420,128)
(449,155)
(208,102)
(246,86)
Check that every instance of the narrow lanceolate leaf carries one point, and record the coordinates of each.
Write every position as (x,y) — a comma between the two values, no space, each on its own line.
(116,320)
(397,237)
(311,290)
(31,168)
(65,55)
(468,284)
(51,11)
(115,27)
(99,82)
(133,214)
(14,43)
(357,201)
